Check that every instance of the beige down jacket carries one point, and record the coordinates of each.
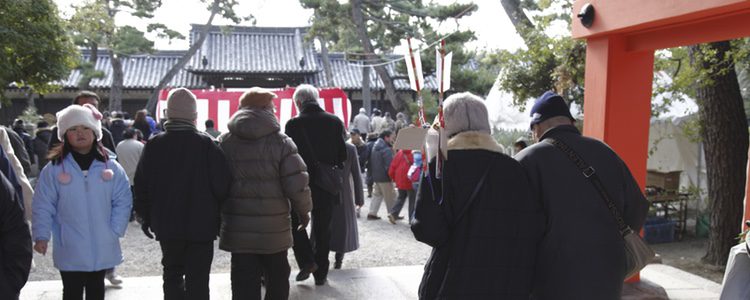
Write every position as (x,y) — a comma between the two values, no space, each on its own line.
(269,177)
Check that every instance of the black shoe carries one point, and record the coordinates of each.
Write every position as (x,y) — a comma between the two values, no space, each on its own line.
(337,265)
(305,273)
(371,217)
(320,281)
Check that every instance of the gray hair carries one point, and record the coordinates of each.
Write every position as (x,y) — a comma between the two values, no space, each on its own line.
(465,112)
(305,93)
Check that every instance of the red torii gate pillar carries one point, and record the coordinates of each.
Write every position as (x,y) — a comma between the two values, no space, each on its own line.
(620,57)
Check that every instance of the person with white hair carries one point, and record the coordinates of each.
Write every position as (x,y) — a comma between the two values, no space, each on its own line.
(486,251)
(320,139)
(361,122)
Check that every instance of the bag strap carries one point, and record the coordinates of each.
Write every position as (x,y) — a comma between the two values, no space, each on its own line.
(472,198)
(590,173)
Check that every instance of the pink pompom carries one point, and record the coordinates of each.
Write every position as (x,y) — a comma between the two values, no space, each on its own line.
(63,178)
(107,174)
(95,112)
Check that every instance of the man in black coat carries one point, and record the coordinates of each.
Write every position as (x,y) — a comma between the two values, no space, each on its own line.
(15,238)
(582,235)
(320,138)
(181,181)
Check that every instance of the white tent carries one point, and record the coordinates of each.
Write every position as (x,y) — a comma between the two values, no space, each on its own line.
(670,149)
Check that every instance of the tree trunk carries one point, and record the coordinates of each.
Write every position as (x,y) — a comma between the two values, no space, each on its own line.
(390,89)
(725,136)
(326,61)
(519,19)
(151,104)
(115,92)
(85,82)
(366,93)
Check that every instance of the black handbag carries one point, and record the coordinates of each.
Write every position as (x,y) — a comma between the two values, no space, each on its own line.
(637,253)
(431,225)
(328,177)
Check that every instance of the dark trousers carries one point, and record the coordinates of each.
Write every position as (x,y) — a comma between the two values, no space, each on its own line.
(247,270)
(186,268)
(321,218)
(402,195)
(75,282)
(303,251)
(339,256)
(319,247)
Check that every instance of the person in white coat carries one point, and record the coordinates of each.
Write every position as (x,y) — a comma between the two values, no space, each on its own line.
(27,190)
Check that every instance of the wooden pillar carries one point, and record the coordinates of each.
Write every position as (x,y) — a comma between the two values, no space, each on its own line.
(617,106)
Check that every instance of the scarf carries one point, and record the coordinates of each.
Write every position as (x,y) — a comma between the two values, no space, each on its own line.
(179,125)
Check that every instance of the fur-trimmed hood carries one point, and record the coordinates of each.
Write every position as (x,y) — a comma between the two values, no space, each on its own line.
(474,140)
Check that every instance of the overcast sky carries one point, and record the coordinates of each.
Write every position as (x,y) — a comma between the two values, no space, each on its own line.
(493,28)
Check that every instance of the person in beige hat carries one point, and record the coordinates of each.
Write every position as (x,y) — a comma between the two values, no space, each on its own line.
(270,179)
(181,181)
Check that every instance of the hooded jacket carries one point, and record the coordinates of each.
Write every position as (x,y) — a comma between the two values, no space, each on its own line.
(86,216)
(270,177)
(399,169)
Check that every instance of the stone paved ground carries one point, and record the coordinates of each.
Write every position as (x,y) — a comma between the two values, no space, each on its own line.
(381,244)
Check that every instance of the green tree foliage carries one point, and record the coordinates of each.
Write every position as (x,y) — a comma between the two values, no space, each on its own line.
(549,62)
(372,29)
(93,26)
(35,48)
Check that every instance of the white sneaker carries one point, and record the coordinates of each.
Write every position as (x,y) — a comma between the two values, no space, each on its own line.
(113,279)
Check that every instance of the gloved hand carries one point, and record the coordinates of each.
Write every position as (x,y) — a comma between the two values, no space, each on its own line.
(147,230)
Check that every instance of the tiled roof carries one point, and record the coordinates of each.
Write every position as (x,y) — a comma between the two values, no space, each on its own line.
(348,75)
(139,71)
(253,50)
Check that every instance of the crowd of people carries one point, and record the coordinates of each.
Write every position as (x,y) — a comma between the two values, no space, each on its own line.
(500,226)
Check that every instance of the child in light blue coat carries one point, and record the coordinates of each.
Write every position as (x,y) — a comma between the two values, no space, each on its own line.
(84,200)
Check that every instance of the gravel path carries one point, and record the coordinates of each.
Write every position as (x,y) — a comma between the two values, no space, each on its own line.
(381,244)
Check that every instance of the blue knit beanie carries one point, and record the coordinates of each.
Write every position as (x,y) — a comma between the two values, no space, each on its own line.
(548,106)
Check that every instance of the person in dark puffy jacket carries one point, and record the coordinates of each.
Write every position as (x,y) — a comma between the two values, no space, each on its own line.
(270,178)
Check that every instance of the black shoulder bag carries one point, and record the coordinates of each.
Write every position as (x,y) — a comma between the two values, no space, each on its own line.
(637,253)
(431,225)
(325,176)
